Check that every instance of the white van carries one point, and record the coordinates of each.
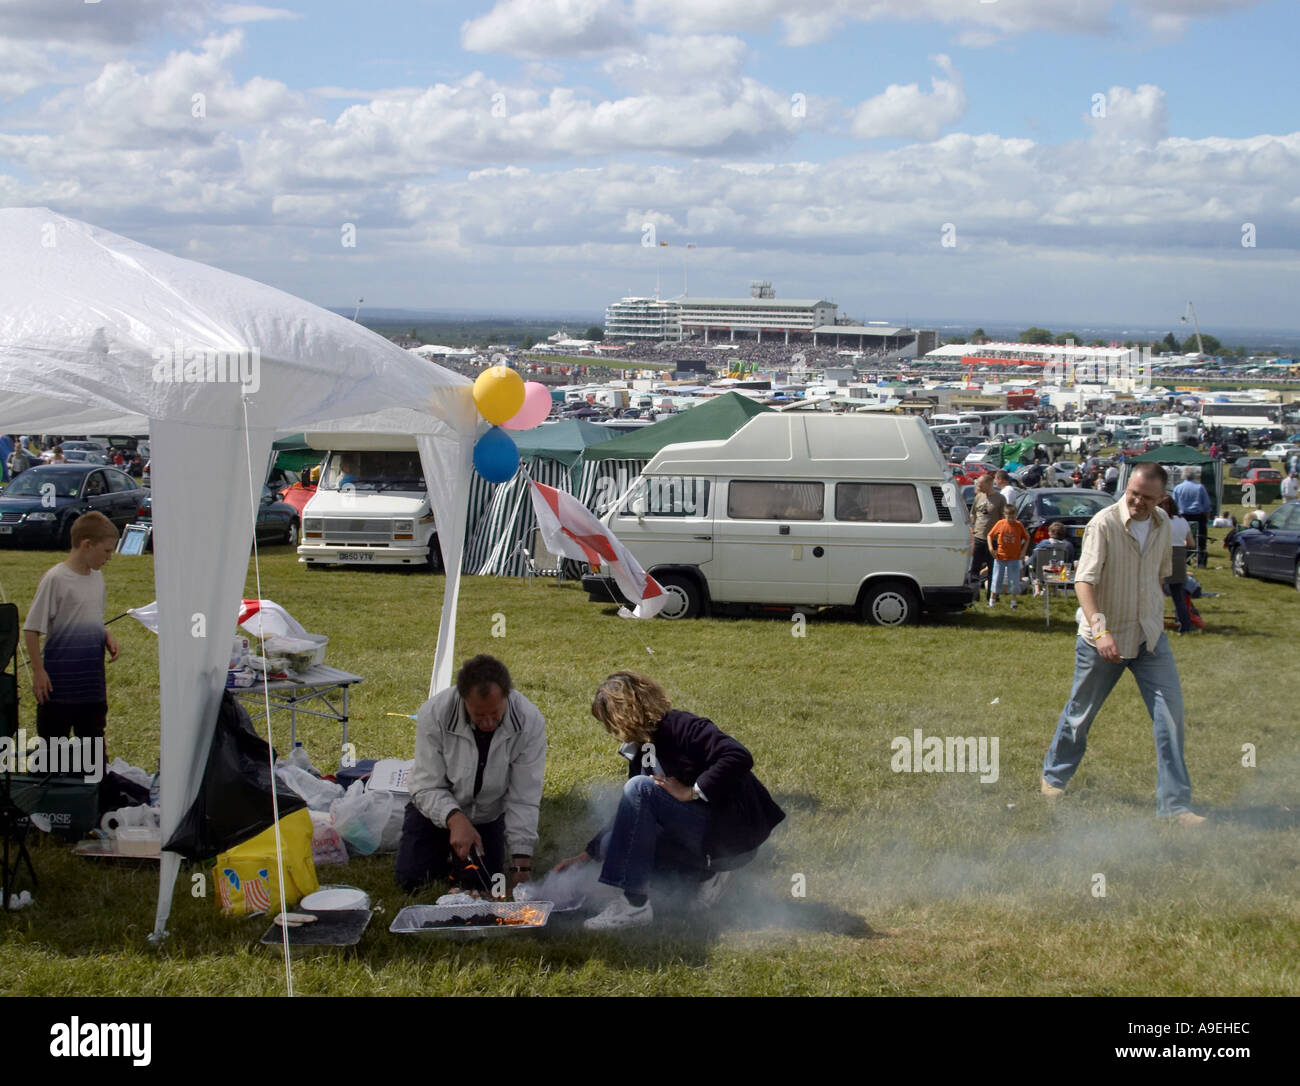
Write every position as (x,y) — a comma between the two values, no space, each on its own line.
(800,510)
(371,507)
(955,430)
(1171,429)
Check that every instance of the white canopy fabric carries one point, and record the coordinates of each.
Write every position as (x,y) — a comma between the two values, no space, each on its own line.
(100,334)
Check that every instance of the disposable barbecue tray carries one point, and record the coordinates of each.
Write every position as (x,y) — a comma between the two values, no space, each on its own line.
(506,916)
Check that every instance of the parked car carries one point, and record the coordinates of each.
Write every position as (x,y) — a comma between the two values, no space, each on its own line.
(85,446)
(83,456)
(1073,506)
(35,517)
(277,521)
(1272,551)
(1281,451)
(1244,464)
(1262,475)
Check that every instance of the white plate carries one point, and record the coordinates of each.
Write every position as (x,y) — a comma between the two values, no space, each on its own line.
(334,898)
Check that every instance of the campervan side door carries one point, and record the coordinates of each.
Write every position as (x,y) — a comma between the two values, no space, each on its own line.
(893,527)
(770,539)
(667,521)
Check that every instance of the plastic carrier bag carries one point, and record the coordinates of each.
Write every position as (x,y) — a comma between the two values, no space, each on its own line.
(247,875)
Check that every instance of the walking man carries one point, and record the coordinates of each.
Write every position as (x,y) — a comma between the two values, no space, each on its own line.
(1126,556)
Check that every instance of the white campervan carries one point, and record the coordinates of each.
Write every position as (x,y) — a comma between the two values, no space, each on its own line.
(800,510)
(371,507)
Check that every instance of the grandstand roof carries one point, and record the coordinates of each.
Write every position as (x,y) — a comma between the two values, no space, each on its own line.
(858,330)
(756,303)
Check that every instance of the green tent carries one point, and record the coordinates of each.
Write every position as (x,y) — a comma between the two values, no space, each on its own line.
(1176,456)
(564,440)
(293,454)
(712,420)
(501,518)
(1014,454)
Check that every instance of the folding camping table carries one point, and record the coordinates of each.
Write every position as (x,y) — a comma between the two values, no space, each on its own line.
(314,693)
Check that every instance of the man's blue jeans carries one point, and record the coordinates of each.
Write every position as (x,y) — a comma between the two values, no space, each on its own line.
(1157,679)
(650,827)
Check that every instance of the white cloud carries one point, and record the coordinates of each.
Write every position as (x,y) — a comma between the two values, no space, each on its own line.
(88,25)
(1130,116)
(252,13)
(190,97)
(807,22)
(663,62)
(547,28)
(905,111)
(23,67)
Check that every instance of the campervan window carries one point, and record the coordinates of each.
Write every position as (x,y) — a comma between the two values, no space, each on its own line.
(667,496)
(753,499)
(895,503)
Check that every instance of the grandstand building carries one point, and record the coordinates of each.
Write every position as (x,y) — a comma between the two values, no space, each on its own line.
(761,318)
(643,318)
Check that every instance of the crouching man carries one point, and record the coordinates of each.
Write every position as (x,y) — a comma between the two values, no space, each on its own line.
(480,753)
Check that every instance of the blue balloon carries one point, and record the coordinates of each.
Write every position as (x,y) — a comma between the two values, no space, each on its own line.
(496,456)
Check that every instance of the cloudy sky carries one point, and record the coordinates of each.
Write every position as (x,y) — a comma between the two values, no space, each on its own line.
(1056,160)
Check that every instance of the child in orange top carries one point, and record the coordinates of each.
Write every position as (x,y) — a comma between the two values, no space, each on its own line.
(1009,542)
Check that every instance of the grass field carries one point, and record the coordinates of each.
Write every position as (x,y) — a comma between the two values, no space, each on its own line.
(933,884)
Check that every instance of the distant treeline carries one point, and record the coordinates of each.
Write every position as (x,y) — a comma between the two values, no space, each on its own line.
(472,333)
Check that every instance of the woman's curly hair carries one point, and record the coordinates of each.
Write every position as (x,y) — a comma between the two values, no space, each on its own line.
(630,706)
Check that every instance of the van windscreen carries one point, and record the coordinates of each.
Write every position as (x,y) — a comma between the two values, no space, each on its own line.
(378,470)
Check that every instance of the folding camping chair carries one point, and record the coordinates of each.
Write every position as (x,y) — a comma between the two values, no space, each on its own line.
(539,562)
(14,823)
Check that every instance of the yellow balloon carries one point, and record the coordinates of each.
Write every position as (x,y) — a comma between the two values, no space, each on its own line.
(498,394)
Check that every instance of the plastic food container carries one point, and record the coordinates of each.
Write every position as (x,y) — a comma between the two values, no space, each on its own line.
(139,841)
(299,652)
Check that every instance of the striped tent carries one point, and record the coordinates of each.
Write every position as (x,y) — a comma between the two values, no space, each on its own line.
(501,515)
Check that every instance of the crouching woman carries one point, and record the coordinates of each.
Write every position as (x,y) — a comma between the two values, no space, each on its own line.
(691,805)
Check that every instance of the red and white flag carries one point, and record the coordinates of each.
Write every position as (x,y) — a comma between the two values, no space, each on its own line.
(569,528)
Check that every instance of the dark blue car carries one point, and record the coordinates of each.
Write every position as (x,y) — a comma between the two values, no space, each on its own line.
(1273,551)
(37,509)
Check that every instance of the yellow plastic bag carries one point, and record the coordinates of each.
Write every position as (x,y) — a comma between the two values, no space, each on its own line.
(248,878)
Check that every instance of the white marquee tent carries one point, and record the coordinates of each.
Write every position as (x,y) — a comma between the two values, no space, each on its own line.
(100,334)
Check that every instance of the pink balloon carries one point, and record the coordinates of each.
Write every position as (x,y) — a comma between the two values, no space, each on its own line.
(537,405)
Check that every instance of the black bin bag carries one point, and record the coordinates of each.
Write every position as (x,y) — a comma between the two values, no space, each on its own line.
(234,800)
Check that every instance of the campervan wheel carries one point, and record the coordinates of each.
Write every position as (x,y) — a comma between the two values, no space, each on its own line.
(890,604)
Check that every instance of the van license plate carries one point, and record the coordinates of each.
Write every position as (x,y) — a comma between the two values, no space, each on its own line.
(356,556)
(6,529)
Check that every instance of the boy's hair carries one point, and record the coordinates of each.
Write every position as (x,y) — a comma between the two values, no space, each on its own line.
(1056,529)
(94,527)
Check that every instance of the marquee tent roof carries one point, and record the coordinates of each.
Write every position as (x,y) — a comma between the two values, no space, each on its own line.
(101,334)
(718,418)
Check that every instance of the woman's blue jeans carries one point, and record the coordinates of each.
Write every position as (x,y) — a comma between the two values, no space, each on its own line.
(650,827)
